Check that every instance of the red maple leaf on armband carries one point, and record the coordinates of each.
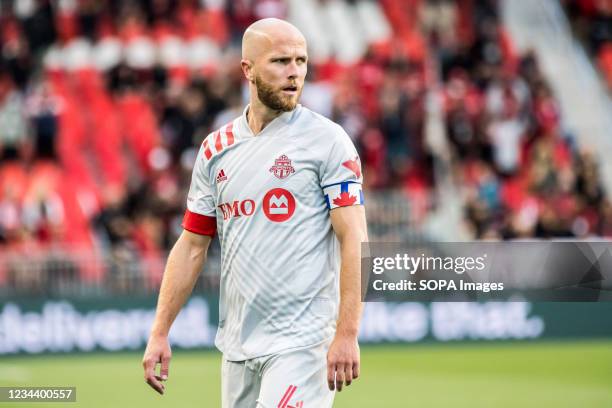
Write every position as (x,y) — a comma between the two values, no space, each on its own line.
(345,199)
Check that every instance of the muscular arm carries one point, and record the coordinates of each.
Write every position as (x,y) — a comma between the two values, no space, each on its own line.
(349,224)
(182,269)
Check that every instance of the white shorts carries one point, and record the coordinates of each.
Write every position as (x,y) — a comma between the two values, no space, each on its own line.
(291,379)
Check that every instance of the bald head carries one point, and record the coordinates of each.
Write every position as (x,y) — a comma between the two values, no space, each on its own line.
(267,34)
(274,61)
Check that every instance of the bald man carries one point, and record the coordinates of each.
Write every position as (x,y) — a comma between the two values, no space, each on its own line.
(281,185)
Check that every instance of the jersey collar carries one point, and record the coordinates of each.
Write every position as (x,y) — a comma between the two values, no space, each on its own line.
(276,124)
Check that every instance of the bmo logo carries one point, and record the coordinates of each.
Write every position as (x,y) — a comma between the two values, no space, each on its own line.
(237,209)
(278,205)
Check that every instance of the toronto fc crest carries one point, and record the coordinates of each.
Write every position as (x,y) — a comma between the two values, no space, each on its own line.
(282,167)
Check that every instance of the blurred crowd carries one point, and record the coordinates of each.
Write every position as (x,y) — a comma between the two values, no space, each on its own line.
(592,22)
(113,140)
(103,105)
(523,175)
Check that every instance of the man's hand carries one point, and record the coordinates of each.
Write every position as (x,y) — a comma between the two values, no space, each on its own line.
(349,225)
(184,265)
(158,351)
(342,362)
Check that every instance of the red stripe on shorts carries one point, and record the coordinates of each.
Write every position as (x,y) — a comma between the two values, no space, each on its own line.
(287,397)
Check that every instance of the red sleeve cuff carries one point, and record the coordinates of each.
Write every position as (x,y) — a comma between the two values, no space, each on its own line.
(200,224)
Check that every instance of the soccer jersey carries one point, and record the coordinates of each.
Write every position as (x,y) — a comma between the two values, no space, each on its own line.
(268,197)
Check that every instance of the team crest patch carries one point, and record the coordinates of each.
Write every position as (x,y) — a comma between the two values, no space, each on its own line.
(282,167)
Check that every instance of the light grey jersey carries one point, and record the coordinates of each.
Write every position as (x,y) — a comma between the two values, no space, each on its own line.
(271,197)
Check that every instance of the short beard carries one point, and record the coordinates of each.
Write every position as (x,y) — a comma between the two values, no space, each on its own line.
(274,100)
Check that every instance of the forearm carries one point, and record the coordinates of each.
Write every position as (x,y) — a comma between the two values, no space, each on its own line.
(182,269)
(349,315)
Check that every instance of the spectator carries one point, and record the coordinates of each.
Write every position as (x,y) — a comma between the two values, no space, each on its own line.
(13,123)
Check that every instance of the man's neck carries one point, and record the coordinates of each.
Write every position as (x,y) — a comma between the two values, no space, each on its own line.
(259,116)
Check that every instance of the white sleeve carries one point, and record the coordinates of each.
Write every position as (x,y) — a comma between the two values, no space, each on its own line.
(200,216)
(341,176)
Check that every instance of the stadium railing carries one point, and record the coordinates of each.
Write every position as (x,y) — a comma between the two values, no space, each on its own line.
(61,270)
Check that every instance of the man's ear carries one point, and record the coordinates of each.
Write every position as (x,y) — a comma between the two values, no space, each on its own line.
(247,70)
